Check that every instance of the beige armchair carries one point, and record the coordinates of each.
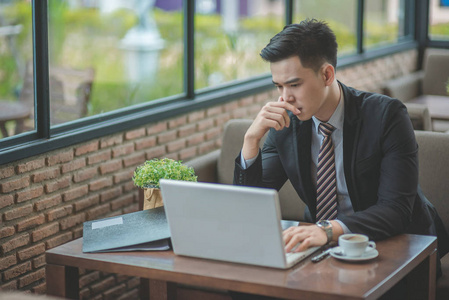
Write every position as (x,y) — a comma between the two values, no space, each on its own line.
(218,166)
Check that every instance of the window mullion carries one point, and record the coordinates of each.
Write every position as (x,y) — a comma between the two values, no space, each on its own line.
(189,48)
(360,18)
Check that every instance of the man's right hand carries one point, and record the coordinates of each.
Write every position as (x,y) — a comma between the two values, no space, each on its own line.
(272,115)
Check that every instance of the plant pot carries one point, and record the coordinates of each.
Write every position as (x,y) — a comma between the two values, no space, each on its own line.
(152,198)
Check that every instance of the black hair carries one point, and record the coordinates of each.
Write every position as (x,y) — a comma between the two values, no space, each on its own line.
(311,40)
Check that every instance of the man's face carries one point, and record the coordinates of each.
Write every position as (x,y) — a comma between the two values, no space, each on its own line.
(302,87)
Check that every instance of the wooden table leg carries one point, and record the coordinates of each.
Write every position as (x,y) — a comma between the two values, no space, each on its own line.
(62,281)
(157,289)
(421,282)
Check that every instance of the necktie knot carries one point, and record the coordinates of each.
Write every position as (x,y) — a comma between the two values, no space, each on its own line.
(326,129)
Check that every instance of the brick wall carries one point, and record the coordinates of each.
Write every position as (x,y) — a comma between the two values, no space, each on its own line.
(44,200)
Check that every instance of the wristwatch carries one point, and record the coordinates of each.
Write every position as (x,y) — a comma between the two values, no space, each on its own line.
(327,227)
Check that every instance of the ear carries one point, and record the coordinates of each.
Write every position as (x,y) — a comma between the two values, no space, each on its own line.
(328,74)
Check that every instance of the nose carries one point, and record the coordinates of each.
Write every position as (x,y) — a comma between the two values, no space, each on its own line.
(287,95)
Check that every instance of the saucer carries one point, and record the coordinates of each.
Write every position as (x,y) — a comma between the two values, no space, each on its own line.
(338,254)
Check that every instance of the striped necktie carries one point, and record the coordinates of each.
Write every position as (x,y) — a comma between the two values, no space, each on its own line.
(326,208)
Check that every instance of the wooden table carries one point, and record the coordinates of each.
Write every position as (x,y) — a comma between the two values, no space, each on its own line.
(13,111)
(405,256)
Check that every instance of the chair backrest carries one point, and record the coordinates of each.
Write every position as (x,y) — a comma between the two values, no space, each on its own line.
(434,170)
(292,207)
(436,74)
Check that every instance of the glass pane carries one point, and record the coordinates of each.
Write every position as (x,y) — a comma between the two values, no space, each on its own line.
(16,71)
(439,20)
(383,22)
(341,16)
(106,55)
(229,36)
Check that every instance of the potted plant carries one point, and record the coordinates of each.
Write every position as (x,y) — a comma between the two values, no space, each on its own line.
(147,177)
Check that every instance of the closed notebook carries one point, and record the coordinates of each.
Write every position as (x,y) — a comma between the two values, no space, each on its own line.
(145,230)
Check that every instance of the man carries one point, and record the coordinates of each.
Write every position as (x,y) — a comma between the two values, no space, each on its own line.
(358,171)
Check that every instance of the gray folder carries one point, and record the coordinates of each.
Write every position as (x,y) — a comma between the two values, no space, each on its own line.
(145,230)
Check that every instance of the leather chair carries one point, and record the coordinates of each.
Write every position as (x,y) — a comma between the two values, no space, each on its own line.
(218,167)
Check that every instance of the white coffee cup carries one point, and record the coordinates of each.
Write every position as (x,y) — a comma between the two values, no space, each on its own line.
(354,244)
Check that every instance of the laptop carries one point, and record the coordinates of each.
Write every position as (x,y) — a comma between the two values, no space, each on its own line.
(228,223)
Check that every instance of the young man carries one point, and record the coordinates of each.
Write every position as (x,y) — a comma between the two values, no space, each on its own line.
(351,155)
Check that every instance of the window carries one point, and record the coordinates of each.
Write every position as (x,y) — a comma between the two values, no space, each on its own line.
(229,36)
(439,20)
(341,15)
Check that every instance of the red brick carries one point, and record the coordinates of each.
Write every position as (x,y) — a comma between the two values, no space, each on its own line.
(15,243)
(87,148)
(99,157)
(206,147)
(7,172)
(18,212)
(123,176)
(58,184)
(32,277)
(110,167)
(30,222)
(221,120)
(17,271)
(61,157)
(165,137)
(176,145)
(98,211)
(157,128)
(31,165)
(86,294)
(8,261)
(85,174)
(231,106)
(7,231)
(123,150)
(240,113)
(35,250)
(247,101)
(77,232)
(130,295)
(213,111)
(133,282)
(121,202)
(15,184)
(39,261)
(177,122)
(130,209)
(110,194)
(187,153)
(44,232)
(213,133)
(48,173)
(29,194)
(59,240)
(72,221)
(134,160)
(111,141)
(195,139)
(75,193)
(186,130)
(205,124)
(40,289)
(47,202)
(174,156)
(134,134)
(99,184)
(89,278)
(103,285)
(74,165)
(145,143)
(85,203)
(12,285)
(129,186)
(6,200)
(155,152)
(59,212)
(196,116)
(115,292)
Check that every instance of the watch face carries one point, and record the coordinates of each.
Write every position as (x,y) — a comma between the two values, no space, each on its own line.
(324,223)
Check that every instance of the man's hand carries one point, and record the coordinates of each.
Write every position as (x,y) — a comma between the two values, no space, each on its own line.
(307,235)
(272,115)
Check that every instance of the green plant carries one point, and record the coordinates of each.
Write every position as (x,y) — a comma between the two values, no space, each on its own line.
(149,174)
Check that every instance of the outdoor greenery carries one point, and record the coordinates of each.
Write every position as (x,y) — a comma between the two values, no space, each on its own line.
(151,172)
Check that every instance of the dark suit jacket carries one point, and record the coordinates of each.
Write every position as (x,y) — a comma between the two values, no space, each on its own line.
(380,156)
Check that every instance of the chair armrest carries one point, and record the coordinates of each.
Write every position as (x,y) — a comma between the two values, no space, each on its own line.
(205,166)
(404,88)
(420,116)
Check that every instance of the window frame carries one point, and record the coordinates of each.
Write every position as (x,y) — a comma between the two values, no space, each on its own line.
(46,138)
